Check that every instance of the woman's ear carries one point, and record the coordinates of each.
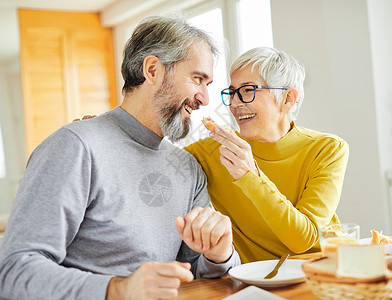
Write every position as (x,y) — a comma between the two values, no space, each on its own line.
(290,96)
(153,69)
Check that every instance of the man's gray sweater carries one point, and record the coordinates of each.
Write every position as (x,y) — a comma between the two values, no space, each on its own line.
(98,199)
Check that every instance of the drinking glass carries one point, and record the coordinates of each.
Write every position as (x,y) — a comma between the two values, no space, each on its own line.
(331,236)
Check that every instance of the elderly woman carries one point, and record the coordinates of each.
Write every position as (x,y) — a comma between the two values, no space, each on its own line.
(276,181)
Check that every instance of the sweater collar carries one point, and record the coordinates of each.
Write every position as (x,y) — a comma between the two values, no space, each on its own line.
(136,130)
(285,147)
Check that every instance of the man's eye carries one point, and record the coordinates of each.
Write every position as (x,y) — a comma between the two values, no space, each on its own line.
(198,80)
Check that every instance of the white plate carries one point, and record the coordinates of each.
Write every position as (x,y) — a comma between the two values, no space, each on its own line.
(254,273)
(367,241)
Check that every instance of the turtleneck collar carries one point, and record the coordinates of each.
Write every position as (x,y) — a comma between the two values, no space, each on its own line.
(137,131)
(285,147)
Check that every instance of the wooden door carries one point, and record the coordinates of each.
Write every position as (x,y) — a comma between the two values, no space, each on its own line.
(67,66)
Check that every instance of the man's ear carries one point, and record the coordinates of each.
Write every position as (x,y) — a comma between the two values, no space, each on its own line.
(290,96)
(153,69)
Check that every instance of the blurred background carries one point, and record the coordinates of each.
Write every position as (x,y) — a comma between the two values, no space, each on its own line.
(60,60)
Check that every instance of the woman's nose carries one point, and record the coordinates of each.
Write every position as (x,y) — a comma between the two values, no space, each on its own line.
(236,101)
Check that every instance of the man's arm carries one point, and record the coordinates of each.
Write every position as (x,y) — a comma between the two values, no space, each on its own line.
(47,212)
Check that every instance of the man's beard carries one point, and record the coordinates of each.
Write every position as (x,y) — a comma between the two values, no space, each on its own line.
(169,115)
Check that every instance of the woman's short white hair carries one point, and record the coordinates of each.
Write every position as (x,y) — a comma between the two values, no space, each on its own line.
(278,69)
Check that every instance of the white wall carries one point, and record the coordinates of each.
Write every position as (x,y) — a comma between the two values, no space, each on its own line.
(334,41)
(11,108)
(380,24)
(11,117)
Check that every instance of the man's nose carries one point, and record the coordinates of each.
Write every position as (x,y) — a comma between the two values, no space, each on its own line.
(202,96)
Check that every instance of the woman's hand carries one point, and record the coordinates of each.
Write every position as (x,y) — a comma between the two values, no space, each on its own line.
(236,154)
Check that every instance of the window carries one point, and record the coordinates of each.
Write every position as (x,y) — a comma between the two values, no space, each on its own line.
(211,22)
(2,157)
(255,25)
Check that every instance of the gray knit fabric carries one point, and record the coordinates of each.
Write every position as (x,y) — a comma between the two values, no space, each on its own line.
(99,198)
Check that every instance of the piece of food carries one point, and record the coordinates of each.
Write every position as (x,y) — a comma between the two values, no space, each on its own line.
(324,266)
(379,238)
(362,262)
(209,124)
(329,246)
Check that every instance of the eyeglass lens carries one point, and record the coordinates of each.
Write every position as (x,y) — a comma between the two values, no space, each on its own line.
(246,94)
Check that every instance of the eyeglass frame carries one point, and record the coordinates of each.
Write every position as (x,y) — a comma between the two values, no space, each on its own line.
(236,91)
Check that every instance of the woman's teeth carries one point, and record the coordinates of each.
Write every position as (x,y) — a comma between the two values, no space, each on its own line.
(188,108)
(246,117)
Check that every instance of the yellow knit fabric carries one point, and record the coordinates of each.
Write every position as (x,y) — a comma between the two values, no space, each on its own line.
(299,187)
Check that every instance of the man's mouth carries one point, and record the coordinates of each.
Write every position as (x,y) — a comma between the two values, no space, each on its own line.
(188,108)
(246,117)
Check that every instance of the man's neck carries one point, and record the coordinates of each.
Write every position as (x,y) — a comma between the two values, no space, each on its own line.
(140,106)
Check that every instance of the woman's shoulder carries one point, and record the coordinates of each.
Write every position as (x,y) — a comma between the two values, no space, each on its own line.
(319,136)
(203,147)
(326,141)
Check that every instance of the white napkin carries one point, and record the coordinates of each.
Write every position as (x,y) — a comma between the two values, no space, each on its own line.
(253,293)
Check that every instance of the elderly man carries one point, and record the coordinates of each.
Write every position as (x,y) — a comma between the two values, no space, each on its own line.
(97,211)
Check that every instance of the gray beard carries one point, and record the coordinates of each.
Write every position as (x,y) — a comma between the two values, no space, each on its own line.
(173,127)
(169,116)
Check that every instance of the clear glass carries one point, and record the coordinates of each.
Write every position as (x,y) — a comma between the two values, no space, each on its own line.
(255,26)
(331,236)
(246,93)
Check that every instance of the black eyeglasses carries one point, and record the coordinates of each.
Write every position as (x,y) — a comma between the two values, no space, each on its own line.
(246,93)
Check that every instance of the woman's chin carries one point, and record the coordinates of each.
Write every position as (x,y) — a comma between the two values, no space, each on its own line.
(244,133)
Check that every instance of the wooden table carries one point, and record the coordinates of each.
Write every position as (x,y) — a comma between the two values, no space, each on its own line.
(217,289)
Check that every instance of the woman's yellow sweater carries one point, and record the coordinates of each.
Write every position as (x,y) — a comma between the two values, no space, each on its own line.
(299,187)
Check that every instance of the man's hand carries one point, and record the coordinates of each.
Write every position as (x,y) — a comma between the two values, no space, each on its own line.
(207,232)
(236,154)
(85,117)
(153,280)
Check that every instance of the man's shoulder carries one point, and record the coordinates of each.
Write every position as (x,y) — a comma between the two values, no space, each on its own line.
(75,134)
(88,124)
(90,130)
(176,151)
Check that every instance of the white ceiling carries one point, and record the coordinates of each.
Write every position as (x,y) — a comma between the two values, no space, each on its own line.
(69,5)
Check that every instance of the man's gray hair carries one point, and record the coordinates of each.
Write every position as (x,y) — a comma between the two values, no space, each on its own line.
(278,69)
(167,38)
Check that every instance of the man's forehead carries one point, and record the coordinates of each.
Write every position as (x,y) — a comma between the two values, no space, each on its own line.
(200,61)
